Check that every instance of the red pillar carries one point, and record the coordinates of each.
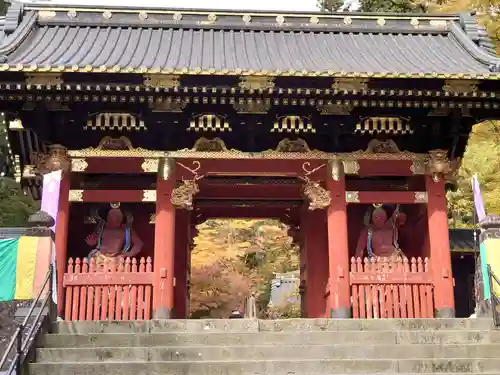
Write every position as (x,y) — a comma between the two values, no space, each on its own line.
(61,239)
(439,244)
(182,226)
(316,253)
(303,269)
(164,255)
(339,300)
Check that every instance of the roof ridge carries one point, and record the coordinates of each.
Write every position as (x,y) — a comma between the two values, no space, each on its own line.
(43,5)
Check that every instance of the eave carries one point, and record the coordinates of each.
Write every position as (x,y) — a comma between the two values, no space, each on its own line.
(419,44)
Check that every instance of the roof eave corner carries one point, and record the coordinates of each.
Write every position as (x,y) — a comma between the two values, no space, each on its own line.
(468,36)
(13,17)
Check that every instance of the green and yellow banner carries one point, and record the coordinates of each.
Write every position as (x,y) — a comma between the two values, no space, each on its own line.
(24,263)
(489,250)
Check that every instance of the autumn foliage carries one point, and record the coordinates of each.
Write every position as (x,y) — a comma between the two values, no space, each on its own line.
(233,258)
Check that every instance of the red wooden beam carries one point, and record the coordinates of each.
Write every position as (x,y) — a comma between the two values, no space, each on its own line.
(114,165)
(285,214)
(106,196)
(249,191)
(386,197)
(385,168)
(250,167)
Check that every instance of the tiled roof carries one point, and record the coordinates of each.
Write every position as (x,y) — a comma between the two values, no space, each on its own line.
(208,42)
(463,240)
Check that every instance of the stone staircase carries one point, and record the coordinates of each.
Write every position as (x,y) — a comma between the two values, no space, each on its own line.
(285,347)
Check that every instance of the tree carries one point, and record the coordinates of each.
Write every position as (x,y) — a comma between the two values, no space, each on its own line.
(15,206)
(3,7)
(397,6)
(233,258)
(217,289)
(482,157)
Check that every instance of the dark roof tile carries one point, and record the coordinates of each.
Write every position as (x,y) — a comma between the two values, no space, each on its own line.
(247,50)
(214,43)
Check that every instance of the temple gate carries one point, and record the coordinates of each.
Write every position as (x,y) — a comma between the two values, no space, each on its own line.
(352,149)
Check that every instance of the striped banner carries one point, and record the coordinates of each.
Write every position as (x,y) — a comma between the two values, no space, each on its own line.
(24,263)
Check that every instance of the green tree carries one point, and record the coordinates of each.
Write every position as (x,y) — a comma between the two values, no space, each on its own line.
(397,6)
(15,206)
(3,7)
(330,5)
(482,157)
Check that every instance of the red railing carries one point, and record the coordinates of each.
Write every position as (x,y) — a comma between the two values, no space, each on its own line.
(391,288)
(118,289)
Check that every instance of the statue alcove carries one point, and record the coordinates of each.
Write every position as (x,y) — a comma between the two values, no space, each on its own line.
(81,224)
(413,236)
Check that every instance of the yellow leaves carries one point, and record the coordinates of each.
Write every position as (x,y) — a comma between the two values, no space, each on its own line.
(230,257)
(482,157)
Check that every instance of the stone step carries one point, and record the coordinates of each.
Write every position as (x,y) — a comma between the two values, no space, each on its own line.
(254,325)
(263,352)
(269,338)
(276,367)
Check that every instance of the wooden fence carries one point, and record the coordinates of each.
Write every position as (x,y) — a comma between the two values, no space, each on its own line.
(391,288)
(119,289)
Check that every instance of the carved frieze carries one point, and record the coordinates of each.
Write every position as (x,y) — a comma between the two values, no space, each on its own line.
(417,167)
(169,105)
(161,81)
(115,121)
(79,165)
(55,159)
(149,195)
(209,122)
(335,109)
(350,84)
(461,86)
(319,198)
(252,106)
(293,124)
(150,165)
(182,195)
(76,195)
(44,79)
(115,147)
(352,196)
(378,146)
(209,145)
(297,145)
(351,166)
(438,164)
(384,125)
(256,83)
(421,197)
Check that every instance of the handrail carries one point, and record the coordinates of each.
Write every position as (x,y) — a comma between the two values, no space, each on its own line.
(22,346)
(495,300)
